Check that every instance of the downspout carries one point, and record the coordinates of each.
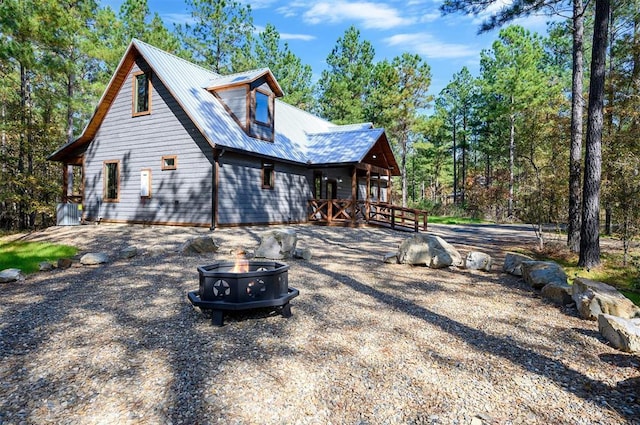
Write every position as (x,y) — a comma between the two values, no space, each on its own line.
(214,189)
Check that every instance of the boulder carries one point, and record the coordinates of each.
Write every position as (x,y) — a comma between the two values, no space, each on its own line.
(302,253)
(559,293)
(540,273)
(390,258)
(128,252)
(476,260)
(45,266)
(429,250)
(11,275)
(595,298)
(94,258)
(512,263)
(65,263)
(277,244)
(623,334)
(199,245)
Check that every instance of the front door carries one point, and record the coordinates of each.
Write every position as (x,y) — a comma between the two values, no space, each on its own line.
(332,189)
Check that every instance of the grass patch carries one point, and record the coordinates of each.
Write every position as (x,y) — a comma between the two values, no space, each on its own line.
(633,296)
(26,256)
(611,271)
(438,219)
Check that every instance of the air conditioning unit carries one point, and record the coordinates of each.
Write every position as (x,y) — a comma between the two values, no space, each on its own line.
(68,214)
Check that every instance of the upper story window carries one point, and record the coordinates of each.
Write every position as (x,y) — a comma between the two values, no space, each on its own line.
(262,108)
(111,182)
(141,93)
(268,175)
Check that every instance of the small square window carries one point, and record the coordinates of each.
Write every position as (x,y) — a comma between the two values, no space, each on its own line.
(170,162)
(268,176)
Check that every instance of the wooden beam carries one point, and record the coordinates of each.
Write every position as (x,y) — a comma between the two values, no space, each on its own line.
(354,193)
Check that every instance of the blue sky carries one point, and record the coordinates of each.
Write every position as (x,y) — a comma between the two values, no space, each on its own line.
(312,28)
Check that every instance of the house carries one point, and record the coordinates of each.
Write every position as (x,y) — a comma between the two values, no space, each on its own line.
(173,143)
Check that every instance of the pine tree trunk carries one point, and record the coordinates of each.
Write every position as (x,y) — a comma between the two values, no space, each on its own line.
(455,166)
(404,170)
(589,232)
(577,103)
(464,157)
(512,150)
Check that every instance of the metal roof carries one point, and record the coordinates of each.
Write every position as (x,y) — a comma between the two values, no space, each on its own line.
(299,136)
(342,146)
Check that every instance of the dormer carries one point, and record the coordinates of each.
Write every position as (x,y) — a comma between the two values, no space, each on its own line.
(250,99)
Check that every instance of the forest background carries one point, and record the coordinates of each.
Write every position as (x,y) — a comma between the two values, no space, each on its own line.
(498,146)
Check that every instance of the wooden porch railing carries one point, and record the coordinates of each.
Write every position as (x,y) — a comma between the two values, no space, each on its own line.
(348,212)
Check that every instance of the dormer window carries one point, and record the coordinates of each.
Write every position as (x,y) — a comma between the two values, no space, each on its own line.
(262,108)
(250,99)
(141,93)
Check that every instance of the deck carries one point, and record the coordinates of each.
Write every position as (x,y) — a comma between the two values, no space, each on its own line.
(347,212)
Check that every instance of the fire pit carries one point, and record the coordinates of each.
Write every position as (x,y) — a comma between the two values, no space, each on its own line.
(229,286)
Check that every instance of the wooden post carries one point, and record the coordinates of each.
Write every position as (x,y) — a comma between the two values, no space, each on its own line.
(367,208)
(389,188)
(393,217)
(329,210)
(65,182)
(354,194)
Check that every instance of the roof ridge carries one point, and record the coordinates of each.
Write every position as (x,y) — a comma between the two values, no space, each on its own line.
(347,131)
(137,40)
(264,68)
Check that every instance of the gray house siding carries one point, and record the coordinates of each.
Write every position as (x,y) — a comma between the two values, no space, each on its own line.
(241,198)
(180,196)
(236,100)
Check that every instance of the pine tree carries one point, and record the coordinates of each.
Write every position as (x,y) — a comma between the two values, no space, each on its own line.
(220,35)
(344,85)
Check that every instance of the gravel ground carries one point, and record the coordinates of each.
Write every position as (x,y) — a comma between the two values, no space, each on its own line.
(368,343)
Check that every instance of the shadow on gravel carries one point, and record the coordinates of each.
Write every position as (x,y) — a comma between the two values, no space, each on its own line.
(502,347)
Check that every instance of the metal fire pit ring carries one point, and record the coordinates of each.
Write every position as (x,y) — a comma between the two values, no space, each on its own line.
(221,289)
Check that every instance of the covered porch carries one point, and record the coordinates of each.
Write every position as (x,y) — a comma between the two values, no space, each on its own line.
(366,200)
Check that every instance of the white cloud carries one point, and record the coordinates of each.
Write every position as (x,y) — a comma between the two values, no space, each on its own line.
(426,45)
(178,18)
(303,37)
(369,14)
(287,36)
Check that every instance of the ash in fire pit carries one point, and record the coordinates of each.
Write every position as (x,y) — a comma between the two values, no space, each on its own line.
(228,286)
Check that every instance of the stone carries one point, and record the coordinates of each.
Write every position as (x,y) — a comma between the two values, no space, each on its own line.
(277,244)
(64,263)
(476,260)
(94,258)
(429,250)
(594,298)
(128,252)
(558,293)
(199,245)
(513,261)
(540,273)
(45,266)
(623,334)
(302,253)
(390,258)
(11,275)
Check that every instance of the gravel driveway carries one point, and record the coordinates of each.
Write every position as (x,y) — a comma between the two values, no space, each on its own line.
(368,343)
